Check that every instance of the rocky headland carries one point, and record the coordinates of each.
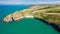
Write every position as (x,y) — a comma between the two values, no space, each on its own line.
(49,13)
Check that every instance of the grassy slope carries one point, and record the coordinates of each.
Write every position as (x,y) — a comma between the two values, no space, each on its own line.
(54,18)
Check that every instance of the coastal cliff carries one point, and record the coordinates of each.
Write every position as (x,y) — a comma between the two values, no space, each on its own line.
(49,13)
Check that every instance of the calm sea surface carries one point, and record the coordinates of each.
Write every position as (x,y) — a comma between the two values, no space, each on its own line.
(24,26)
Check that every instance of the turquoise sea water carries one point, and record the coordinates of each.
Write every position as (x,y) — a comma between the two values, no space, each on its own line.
(24,26)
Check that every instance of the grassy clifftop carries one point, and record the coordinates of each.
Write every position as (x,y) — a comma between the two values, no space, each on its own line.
(50,13)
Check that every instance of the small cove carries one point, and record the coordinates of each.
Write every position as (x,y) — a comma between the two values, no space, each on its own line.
(24,26)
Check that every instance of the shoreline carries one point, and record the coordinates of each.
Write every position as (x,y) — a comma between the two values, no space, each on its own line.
(52,24)
(38,12)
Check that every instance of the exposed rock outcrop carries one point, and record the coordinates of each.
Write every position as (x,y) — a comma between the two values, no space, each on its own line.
(7,18)
(15,16)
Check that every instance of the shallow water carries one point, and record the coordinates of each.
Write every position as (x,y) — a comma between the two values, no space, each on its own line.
(24,26)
